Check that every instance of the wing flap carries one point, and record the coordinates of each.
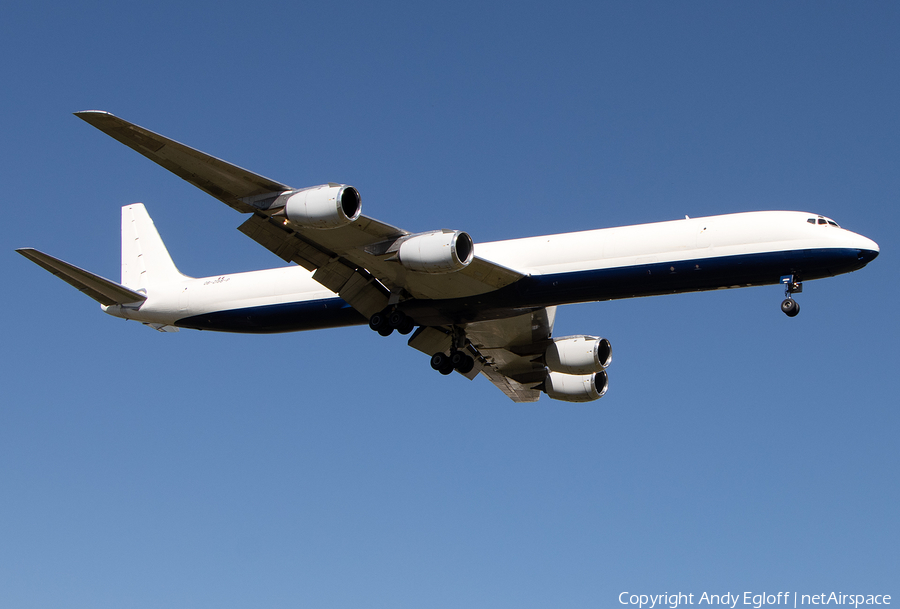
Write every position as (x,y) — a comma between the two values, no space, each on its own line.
(102,290)
(514,390)
(282,243)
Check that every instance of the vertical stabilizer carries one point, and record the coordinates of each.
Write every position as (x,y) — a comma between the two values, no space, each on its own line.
(145,260)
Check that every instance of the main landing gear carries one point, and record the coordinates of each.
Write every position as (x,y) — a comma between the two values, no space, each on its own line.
(460,356)
(457,360)
(789,306)
(385,322)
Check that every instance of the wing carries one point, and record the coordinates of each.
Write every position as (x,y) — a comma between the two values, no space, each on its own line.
(354,260)
(505,350)
(226,182)
(102,290)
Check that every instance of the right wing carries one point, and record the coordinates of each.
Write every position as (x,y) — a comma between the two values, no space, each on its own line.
(507,351)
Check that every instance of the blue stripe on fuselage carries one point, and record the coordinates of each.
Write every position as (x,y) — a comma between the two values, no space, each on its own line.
(650,279)
(285,317)
(560,288)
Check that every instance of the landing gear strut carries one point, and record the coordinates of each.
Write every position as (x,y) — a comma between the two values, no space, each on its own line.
(789,306)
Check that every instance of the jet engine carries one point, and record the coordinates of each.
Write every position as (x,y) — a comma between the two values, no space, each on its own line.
(578,354)
(437,252)
(328,206)
(576,387)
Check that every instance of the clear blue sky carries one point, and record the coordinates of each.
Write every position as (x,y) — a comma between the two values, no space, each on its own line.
(737,450)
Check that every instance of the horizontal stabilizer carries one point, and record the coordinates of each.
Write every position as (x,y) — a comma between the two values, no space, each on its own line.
(102,290)
(226,182)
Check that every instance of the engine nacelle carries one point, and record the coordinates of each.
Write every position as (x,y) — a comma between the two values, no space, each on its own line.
(328,206)
(578,355)
(437,252)
(576,387)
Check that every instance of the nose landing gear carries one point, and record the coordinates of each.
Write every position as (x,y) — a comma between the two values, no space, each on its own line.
(789,306)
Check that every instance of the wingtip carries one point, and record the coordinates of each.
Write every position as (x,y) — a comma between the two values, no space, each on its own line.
(29,253)
(87,115)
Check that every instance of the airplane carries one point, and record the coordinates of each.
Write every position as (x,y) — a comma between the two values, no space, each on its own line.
(490,312)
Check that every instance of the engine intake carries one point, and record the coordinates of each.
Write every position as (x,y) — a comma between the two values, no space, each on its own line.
(328,206)
(576,387)
(437,252)
(578,354)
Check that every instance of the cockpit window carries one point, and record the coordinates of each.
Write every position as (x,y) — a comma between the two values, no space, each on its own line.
(822,220)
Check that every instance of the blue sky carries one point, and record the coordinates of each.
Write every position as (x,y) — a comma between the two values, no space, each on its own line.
(737,450)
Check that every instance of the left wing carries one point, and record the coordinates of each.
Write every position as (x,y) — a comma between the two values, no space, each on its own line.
(226,182)
(356,261)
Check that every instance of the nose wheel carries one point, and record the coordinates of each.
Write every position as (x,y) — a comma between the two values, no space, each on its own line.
(789,306)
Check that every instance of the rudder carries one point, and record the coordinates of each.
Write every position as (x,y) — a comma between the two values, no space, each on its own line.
(145,259)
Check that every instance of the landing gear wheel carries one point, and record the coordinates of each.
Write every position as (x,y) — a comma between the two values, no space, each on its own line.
(401,322)
(407,326)
(461,362)
(396,319)
(439,360)
(466,368)
(790,307)
(378,321)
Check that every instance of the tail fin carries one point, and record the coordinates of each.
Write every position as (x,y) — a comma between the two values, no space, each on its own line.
(145,259)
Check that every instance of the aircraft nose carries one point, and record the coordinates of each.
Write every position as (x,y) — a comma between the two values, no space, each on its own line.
(867,256)
(868,250)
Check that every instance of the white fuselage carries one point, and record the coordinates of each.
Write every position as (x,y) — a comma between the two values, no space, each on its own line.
(770,240)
